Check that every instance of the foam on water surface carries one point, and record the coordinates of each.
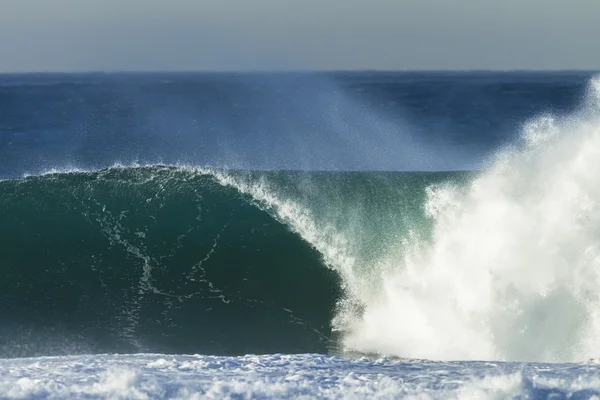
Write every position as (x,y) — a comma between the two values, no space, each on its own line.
(155,376)
(510,270)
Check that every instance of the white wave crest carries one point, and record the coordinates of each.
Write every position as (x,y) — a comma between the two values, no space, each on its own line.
(513,269)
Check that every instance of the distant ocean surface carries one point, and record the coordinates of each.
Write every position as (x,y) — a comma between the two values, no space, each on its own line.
(312,235)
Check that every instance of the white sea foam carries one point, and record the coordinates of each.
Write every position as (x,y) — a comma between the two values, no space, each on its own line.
(305,376)
(513,268)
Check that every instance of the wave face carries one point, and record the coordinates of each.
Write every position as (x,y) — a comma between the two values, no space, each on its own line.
(161,259)
(188,260)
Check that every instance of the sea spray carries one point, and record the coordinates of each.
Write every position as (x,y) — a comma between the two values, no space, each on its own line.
(512,269)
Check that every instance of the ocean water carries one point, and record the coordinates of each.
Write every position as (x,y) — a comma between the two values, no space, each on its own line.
(339,235)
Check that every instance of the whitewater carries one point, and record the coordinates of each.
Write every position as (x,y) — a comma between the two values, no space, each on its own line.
(513,267)
(462,285)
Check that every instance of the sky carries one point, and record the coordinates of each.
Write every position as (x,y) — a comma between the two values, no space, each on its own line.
(241,35)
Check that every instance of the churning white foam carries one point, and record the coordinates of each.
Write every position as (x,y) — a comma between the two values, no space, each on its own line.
(512,271)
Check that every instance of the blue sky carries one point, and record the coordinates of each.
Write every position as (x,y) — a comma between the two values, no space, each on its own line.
(76,35)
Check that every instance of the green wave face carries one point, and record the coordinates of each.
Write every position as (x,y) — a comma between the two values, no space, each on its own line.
(153,259)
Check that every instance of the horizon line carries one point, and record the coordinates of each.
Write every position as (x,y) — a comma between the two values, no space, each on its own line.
(295,71)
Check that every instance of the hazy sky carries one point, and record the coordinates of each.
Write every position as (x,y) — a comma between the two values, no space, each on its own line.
(84,35)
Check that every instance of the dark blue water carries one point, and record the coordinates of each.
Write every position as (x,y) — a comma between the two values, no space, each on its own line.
(309,121)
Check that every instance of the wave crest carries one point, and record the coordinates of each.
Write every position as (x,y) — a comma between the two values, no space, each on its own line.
(511,269)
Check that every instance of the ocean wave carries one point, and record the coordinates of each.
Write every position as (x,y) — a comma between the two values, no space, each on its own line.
(154,258)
